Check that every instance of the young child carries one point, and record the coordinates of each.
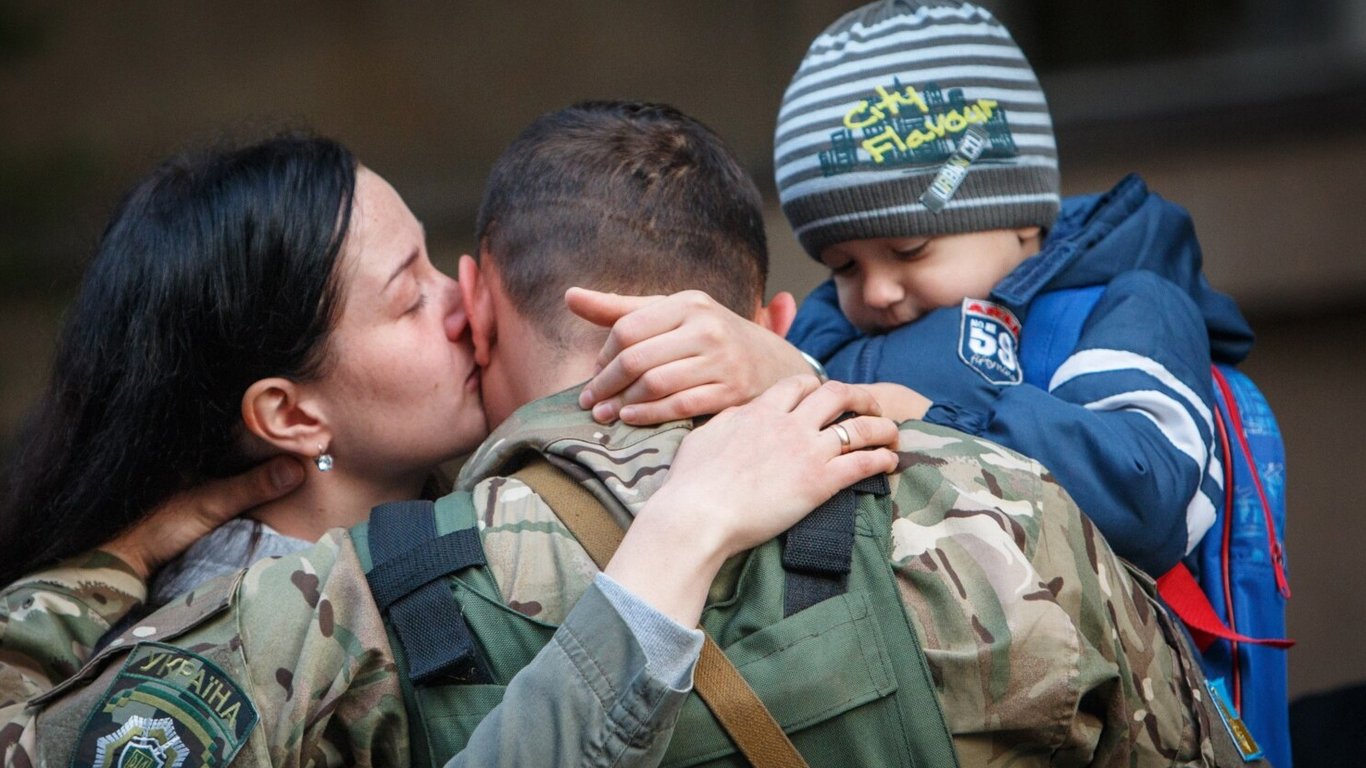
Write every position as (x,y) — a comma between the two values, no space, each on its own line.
(915,158)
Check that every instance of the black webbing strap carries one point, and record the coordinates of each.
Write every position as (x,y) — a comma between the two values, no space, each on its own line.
(406,581)
(817,551)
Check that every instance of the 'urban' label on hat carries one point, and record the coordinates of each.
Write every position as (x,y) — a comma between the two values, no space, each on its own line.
(167,708)
(954,170)
(989,340)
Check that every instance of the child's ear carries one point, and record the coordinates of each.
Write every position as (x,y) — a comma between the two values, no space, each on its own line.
(474,294)
(1031,238)
(779,313)
(277,411)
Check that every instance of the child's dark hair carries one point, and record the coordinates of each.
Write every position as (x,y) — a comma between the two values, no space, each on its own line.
(215,271)
(621,196)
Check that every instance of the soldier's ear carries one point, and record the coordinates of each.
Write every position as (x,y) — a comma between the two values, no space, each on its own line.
(283,414)
(777,316)
(478,302)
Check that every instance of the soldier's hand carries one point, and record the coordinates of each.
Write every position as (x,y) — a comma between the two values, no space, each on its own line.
(186,517)
(680,356)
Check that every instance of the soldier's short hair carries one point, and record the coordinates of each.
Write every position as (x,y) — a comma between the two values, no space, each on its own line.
(621,196)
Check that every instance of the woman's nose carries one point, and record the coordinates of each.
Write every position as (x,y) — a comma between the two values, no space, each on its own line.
(455,320)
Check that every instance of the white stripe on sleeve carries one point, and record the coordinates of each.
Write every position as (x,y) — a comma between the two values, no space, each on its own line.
(1104,360)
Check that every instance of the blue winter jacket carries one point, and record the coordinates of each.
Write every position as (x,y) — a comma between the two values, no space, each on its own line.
(1126,422)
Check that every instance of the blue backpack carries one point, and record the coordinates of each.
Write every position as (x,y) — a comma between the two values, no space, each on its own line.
(1231,590)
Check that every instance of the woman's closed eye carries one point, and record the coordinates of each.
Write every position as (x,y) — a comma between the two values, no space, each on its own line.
(419,304)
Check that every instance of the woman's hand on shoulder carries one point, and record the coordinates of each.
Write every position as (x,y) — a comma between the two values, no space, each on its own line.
(755,470)
(175,524)
(748,474)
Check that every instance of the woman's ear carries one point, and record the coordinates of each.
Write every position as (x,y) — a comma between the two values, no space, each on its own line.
(474,294)
(276,411)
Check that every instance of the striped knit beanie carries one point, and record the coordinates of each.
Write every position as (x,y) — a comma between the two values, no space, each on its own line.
(911,118)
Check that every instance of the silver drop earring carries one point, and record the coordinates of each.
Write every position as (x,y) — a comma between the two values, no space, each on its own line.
(324,460)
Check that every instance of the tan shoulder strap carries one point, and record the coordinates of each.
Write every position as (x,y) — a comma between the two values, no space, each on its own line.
(734,704)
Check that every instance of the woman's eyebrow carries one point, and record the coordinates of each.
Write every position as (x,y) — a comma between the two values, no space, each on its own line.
(408,262)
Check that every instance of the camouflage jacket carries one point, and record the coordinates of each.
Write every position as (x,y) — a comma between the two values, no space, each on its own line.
(1045,648)
(288,664)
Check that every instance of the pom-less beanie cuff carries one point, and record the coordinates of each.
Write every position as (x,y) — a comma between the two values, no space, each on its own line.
(912,118)
(892,208)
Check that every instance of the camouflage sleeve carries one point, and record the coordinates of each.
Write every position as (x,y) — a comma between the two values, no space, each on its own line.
(1044,646)
(283,664)
(50,620)
(321,669)
(540,568)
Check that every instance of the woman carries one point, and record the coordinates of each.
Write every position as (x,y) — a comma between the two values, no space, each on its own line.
(227,295)
(214,273)
(278,299)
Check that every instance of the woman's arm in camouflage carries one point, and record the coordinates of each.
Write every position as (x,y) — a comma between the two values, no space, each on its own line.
(50,620)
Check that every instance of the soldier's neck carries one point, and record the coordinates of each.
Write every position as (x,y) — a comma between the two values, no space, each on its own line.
(527,367)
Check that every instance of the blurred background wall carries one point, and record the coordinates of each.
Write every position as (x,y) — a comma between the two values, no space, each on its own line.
(1251,113)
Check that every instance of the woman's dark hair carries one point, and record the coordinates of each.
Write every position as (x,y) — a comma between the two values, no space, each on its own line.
(217,270)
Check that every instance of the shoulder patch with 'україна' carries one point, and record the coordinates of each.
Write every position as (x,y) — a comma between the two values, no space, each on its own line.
(989,341)
(166,709)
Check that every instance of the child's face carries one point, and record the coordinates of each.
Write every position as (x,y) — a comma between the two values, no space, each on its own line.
(890,281)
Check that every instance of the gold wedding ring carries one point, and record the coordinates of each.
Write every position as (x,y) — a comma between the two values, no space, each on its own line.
(843,434)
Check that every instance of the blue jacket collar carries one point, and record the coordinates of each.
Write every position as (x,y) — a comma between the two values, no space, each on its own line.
(1097,237)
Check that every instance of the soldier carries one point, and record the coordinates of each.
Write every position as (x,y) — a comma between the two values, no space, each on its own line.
(975,581)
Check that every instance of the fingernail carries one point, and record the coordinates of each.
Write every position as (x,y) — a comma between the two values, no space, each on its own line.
(628,413)
(604,412)
(586,398)
(286,474)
